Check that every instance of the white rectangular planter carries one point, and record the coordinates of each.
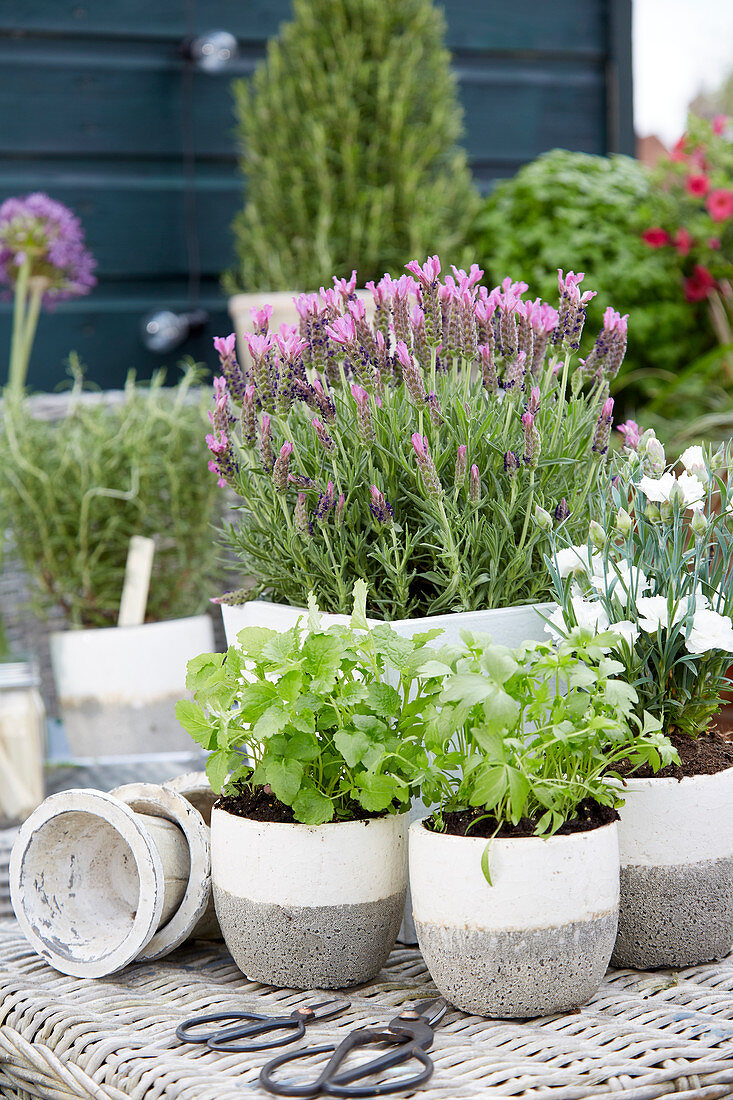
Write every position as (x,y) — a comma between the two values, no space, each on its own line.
(118,685)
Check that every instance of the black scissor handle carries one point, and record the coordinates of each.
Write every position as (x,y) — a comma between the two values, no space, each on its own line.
(185,1033)
(226,1040)
(332,1083)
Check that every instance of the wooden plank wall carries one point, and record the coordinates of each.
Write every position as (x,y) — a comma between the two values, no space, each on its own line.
(91,111)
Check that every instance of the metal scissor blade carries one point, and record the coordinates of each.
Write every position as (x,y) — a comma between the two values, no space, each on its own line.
(431,1011)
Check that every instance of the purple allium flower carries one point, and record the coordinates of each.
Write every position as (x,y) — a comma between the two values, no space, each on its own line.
(280,469)
(380,507)
(459,476)
(324,438)
(411,374)
(603,428)
(474,486)
(431,480)
(261,318)
(265,444)
(302,519)
(363,413)
(562,511)
(44,234)
(631,432)
(511,463)
(531,441)
(488,369)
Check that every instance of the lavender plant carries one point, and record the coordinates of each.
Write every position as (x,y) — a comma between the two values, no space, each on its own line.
(656,569)
(413,448)
(44,260)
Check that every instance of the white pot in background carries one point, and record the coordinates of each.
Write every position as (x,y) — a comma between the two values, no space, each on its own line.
(309,906)
(117,686)
(92,881)
(676,850)
(538,940)
(22,741)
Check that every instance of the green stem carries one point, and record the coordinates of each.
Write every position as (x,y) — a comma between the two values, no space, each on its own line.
(38,286)
(560,407)
(19,316)
(528,511)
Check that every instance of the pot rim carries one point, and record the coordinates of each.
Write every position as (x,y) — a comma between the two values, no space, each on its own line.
(639,782)
(88,631)
(300,825)
(510,841)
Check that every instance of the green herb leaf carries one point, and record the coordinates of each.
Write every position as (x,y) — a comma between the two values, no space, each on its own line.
(217,769)
(196,722)
(312,808)
(285,776)
(352,744)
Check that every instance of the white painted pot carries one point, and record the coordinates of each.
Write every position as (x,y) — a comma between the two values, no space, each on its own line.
(196,789)
(309,906)
(535,942)
(283,312)
(165,804)
(92,881)
(117,686)
(676,850)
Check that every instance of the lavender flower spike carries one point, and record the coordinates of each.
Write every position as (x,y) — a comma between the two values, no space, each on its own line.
(411,374)
(531,441)
(225,347)
(562,511)
(339,513)
(474,487)
(459,477)
(363,413)
(302,519)
(488,369)
(324,438)
(380,507)
(249,419)
(603,428)
(280,469)
(511,463)
(266,457)
(431,480)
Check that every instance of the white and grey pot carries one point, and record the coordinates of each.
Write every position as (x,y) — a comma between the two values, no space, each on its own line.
(676,849)
(534,942)
(309,906)
(118,685)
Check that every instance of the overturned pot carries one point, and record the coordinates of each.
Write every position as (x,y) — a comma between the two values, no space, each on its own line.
(196,789)
(537,940)
(306,906)
(676,850)
(92,881)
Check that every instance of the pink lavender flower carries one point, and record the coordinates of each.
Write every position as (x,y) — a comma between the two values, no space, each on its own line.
(459,476)
(411,374)
(326,502)
(261,318)
(511,463)
(488,369)
(265,444)
(436,417)
(469,279)
(631,433)
(562,510)
(339,513)
(302,520)
(474,487)
(467,312)
(324,438)
(346,288)
(290,345)
(571,315)
(427,277)
(249,419)
(382,294)
(603,428)
(508,325)
(331,302)
(514,372)
(533,404)
(363,414)
(225,347)
(380,507)
(485,308)
(342,330)
(608,352)
(531,441)
(223,463)
(308,306)
(280,469)
(44,235)
(431,481)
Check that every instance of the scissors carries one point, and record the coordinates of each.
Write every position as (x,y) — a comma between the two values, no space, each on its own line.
(411,1033)
(225,1038)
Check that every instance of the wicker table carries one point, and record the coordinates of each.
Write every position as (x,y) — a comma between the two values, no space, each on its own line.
(644,1036)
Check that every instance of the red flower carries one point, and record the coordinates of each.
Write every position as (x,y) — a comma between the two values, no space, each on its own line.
(682,241)
(655,237)
(697,185)
(720,204)
(719,124)
(678,150)
(699,284)
(714,242)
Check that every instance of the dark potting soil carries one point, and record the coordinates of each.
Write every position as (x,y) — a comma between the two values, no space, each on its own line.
(590,815)
(707,754)
(261,805)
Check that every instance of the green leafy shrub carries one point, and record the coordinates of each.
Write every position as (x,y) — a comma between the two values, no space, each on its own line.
(74,492)
(349,133)
(576,211)
(317,721)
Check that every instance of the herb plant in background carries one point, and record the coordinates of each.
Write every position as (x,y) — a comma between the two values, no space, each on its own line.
(317,723)
(349,135)
(579,211)
(43,260)
(414,451)
(74,491)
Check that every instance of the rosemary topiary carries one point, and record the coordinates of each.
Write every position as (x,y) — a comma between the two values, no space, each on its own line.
(349,133)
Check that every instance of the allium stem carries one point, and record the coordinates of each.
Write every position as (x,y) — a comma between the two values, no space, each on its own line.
(16,378)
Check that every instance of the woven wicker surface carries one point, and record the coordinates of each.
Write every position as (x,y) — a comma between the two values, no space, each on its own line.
(644,1036)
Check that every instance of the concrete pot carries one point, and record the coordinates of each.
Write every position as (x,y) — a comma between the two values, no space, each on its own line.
(165,804)
(676,849)
(118,686)
(535,942)
(92,881)
(309,906)
(196,789)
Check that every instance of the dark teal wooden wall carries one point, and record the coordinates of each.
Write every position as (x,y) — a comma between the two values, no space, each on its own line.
(91,111)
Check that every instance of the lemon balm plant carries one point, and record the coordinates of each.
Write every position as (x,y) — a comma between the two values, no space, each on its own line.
(414,449)
(524,744)
(656,568)
(323,753)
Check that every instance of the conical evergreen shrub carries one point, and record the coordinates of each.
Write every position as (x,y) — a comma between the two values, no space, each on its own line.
(349,132)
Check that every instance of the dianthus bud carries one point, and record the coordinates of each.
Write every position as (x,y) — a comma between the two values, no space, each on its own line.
(677,496)
(652,512)
(542,518)
(596,535)
(624,523)
(698,523)
(655,459)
